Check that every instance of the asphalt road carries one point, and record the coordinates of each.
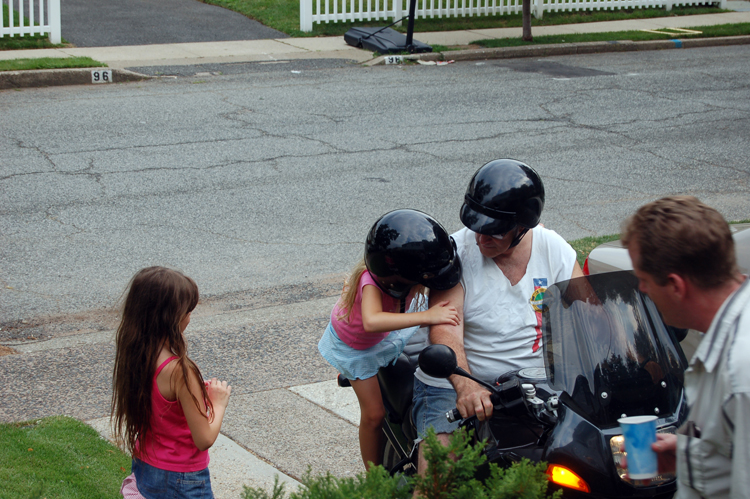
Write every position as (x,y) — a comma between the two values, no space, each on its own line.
(271,179)
(106,23)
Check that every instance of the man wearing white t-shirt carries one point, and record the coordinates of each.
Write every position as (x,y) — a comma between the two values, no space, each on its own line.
(508,263)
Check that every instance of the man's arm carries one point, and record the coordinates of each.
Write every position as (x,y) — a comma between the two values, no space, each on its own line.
(577,272)
(472,397)
(737,410)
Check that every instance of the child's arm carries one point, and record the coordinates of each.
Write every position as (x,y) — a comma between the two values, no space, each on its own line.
(204,432)
(374,320)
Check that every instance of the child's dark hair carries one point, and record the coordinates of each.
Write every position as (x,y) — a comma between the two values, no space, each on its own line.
(157,300)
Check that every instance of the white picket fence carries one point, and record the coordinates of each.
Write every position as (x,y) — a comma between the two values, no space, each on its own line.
(325,11)
(31,17)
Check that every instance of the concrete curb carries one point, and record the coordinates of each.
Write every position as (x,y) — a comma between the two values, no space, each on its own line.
(82,76)
(56,77)
(568,49)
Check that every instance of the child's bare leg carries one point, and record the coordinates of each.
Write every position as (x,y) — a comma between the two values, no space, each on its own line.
(371,418)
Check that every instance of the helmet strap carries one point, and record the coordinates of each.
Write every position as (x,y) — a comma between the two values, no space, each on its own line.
(518,237)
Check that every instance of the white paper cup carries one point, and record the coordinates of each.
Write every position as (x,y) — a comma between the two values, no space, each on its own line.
(640,433)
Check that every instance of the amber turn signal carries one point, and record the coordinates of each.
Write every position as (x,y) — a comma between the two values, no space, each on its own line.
(567,478)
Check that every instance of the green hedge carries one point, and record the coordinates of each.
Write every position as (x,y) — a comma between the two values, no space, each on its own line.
(446,478)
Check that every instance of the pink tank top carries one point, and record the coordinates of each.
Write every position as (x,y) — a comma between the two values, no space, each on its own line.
(169,446)
(353,332)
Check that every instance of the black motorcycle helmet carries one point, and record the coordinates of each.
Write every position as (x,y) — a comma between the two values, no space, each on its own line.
(408,247)
(502,195)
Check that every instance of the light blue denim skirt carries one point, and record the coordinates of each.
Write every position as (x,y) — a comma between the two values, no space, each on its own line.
(362,364)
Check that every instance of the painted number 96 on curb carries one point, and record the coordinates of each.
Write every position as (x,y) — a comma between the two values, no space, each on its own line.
(101,76)
(394,59)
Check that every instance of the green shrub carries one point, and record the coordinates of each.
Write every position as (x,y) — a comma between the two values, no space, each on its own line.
(446,478)
(523,480)
(375,484)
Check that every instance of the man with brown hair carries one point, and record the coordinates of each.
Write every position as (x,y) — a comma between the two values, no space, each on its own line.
(683,255)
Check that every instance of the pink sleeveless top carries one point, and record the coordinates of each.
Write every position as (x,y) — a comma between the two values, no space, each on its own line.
(353,332)
(169,445)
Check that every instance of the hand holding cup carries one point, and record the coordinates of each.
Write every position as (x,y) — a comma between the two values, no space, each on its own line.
(640,434)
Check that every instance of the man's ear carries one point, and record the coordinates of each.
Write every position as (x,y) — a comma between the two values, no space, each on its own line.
(677,285)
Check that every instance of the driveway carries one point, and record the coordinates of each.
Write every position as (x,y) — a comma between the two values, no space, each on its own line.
(107,23)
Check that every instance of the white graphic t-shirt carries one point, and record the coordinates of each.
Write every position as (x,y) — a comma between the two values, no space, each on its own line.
(502,323)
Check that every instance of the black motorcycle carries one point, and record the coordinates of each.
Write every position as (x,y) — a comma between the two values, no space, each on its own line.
(607,355)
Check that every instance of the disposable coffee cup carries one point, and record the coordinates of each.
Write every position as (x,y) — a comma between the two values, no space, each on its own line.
(640,433)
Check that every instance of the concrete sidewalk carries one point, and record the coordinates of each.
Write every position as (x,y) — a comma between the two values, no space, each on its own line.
(336,48)
(268,431)
(231,466)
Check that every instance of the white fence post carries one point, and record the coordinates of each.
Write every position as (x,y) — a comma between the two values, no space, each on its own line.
(538,8)
(53,13)
(460,8)
(305,15)
(398,10)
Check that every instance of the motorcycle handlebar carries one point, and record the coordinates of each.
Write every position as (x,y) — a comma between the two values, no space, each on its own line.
(508,395)
(454,415)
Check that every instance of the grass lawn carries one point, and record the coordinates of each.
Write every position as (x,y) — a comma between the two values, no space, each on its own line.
(584,246)
(23,42)
(50,63)
(283,15)
(706,32)
(59,457)
(28,42)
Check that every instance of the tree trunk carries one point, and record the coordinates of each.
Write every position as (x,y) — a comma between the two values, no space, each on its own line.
(526,9)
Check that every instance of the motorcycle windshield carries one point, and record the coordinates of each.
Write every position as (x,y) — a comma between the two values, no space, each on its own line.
(607,349)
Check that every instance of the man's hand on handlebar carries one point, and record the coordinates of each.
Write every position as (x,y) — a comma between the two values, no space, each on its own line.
(472,399)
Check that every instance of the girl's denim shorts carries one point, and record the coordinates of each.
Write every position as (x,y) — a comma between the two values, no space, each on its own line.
(155,483)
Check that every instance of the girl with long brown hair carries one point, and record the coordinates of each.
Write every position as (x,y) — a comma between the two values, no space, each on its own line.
(162,409)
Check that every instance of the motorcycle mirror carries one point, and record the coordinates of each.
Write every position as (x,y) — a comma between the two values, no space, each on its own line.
(438,361)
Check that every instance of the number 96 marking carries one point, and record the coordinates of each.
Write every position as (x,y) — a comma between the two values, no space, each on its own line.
(101,76)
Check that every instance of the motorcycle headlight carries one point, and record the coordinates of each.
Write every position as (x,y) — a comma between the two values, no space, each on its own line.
(617,446)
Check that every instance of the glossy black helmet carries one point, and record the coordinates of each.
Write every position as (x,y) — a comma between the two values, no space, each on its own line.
(408,247)
(502,195)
